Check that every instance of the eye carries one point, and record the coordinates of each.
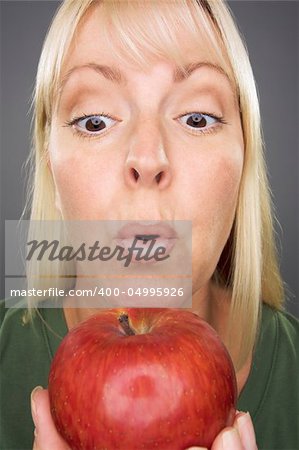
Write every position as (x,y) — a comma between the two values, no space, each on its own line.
(201,121)
(92,124)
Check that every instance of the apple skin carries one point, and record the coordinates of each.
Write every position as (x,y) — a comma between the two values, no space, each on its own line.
(167,387)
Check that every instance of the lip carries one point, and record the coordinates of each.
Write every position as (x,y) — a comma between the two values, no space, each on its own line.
(163,234)
(159,229)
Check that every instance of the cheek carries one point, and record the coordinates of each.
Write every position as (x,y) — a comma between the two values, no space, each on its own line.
(82,183)
(214,183)
(225,181)
(214,193)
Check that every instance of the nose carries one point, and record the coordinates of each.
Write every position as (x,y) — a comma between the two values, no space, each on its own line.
(147,164)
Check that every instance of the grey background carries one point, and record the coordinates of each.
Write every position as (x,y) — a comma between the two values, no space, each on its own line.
(271,32)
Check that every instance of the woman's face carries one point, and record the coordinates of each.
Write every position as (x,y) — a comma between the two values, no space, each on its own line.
(128,144)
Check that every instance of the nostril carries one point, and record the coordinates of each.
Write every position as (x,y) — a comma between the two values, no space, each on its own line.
(135,174)
(159,176)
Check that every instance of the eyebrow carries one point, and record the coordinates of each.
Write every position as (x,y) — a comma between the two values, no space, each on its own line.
(186,71)
(110,73)
(114,74)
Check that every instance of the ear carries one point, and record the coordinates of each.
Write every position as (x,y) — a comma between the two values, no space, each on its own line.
(58,202)
(57,199)
(48,162)
(47,146)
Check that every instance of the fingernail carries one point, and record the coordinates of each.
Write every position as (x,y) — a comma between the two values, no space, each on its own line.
(230,439)
(33,403)
(246,431)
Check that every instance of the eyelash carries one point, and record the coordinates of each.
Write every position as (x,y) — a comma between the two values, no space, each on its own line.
(81,134)
(210,130)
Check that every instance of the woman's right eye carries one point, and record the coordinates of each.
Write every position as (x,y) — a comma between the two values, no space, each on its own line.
(92,124)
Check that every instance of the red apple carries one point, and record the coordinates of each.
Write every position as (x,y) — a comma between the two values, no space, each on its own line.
(142,379)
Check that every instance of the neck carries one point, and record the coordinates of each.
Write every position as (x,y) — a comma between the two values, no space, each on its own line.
(211,303)
(203,301)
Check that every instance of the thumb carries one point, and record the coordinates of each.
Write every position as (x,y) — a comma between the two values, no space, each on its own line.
(46,435)
(228,439)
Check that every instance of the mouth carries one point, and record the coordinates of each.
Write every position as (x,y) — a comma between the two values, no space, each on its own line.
(147,237)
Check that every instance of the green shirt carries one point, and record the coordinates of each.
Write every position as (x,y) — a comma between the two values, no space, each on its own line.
(271,394)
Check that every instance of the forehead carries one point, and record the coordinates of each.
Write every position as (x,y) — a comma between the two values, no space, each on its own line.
(135,37)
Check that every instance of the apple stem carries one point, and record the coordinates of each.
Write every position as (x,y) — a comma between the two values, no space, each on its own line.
(124,321)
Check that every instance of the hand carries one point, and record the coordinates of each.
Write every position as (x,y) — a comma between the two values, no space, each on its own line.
(238,437)
(46,435)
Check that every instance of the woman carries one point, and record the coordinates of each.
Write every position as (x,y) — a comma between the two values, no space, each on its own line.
(148,111)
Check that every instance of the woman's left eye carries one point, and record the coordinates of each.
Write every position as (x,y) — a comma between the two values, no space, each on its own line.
(92,124)
(200,120)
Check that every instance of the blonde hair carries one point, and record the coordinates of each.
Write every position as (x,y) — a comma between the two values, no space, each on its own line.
(248,265)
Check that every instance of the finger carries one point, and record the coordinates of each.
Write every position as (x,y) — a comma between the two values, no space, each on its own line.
(46,435)
(34,413)
(196,448)
(35,445)
(228,439)
(246,431)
